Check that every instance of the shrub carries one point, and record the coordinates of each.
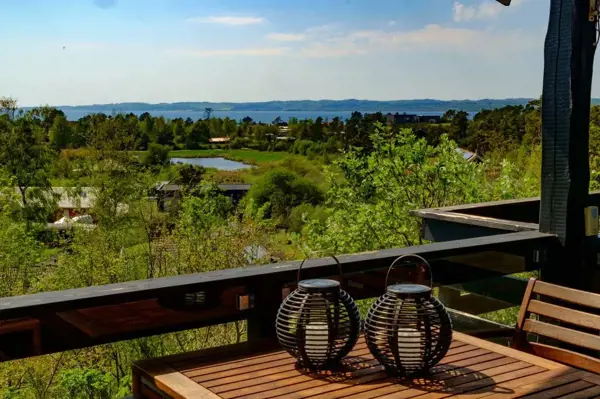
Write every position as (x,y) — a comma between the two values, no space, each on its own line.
(157,155)
(304,213)
(278,192)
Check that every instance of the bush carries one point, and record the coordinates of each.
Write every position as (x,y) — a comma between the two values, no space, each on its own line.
(278,192)
(304,213)
(157,155)
(238,143)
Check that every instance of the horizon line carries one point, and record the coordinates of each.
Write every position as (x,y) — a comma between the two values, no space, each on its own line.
(276,101)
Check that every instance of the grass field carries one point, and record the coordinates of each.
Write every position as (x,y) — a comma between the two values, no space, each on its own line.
(249,156)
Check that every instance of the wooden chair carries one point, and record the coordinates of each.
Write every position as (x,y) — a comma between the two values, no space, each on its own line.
(567,316)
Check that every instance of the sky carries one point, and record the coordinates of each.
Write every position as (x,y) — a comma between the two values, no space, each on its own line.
(75,52)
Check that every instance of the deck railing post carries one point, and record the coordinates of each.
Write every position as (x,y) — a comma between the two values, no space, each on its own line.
(568,65)
(261,322)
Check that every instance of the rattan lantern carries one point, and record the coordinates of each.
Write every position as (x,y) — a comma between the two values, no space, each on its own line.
(407,329)
(318,323)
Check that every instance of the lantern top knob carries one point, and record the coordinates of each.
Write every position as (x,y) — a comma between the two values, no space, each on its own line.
(411,290)
(319,285)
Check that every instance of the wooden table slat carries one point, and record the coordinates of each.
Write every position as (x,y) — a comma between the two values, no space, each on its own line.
(360,390)
(561,390)
(584,394)
(526,385)
(244,375)
(264,376)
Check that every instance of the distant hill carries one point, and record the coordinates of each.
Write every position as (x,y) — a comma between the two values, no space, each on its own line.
(424,105)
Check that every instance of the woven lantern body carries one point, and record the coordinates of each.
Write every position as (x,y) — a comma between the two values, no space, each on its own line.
(318,324)
(408,330)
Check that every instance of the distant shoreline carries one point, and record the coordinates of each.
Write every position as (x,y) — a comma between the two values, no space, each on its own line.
(345,106)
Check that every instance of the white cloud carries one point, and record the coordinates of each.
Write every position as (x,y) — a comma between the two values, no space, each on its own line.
(228,20)
(487,9)
(434,38)
(259,51)
(313,30)
(286,37)
(391,23)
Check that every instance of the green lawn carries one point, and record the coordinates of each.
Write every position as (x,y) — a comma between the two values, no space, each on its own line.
(250,156)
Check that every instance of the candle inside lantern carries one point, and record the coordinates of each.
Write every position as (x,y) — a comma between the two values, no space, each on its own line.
(317,338)
(409,340)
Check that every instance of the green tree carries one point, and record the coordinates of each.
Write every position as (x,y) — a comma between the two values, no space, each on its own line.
(27,158)
(198,133)
(60,134)
(8,107)
(369,203)
(20,253)
(179,132)
(189,176)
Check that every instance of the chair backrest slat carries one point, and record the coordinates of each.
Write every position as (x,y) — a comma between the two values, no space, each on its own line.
(577,297)
(566,315)
(576,326)
(563,334)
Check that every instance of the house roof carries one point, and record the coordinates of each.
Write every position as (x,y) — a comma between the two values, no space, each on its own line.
(219,139)
(70,198)
(167,186)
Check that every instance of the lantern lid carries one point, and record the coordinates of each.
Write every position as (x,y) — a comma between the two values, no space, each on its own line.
(319,285)
(411,290)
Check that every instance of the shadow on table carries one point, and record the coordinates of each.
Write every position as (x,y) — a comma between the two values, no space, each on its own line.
(442,378)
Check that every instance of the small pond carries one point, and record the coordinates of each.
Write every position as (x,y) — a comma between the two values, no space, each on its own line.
(217,163)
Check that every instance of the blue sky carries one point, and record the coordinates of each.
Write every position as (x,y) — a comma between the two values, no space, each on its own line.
(258,50)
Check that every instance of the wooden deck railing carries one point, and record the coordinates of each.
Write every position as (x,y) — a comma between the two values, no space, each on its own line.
(78,318)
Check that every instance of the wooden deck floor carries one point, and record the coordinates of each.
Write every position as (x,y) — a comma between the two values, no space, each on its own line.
(473,368)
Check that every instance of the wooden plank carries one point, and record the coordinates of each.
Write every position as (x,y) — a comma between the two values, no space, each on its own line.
(590,392)
(525,304)
(240,377)
(293,387)
(561,390)
(527,385)
(110,320)
(439,373)
(476,220)
(449,377)
(571,295)
(538,361)
(172,382)
(593,378)
(491,380)
(364,391)
(279,358)
(565,356)
(239,380)
(274,359)
(17,325)
(451,384)
(571,316)
(567,335)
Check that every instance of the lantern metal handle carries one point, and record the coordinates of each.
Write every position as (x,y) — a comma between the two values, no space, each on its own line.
(403,257)
(334,258)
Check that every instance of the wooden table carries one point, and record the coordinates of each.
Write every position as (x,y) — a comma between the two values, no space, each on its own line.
(472,368)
